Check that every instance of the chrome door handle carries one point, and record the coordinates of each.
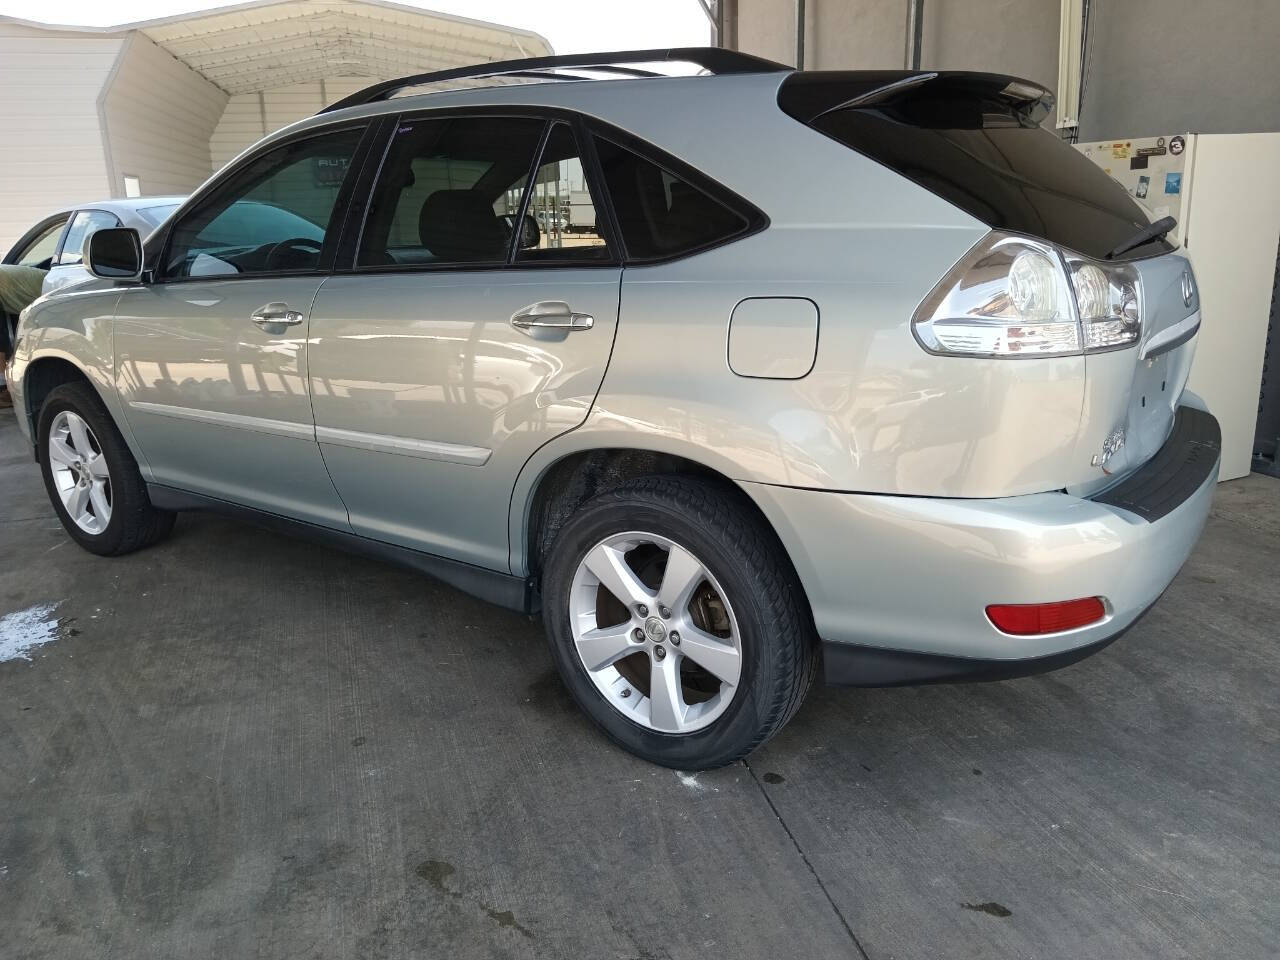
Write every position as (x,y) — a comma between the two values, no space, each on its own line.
(553,316)
(276,315)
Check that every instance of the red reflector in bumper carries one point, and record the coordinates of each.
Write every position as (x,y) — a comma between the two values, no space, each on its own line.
(1025,619)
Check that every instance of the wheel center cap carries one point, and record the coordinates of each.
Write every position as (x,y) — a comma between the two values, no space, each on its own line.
(655,630)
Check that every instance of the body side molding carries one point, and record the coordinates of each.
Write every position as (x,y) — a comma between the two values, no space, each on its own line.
(278,428)
(405,446)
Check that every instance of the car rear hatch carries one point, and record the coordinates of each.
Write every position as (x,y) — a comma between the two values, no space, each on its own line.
(1132,395)
(975,140)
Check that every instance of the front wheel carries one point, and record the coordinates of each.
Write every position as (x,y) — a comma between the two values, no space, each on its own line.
(677,622)
(91,477)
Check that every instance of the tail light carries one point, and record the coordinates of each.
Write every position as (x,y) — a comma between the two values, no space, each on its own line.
(1107,300)
(1029,619)
(1012,297)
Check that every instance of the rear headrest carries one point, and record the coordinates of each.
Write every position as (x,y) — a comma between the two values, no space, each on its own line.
(460,225)
(683,219)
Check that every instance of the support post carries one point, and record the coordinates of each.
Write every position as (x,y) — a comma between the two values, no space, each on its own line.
(1070,45)
(800,31)
(915,34)
(715,14)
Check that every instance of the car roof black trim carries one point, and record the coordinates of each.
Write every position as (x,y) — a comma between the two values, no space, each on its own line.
(715,60)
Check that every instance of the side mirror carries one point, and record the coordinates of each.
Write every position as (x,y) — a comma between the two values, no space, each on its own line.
(530,235)
(114,253)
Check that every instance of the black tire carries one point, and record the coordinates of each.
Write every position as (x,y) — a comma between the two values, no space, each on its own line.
(780,652)
(134,522)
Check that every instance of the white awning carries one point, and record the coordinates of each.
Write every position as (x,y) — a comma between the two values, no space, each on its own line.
(274,43)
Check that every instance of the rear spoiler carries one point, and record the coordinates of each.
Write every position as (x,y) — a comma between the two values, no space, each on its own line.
(808,96)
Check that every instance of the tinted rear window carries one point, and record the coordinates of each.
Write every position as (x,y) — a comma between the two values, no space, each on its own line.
(659,213)
(987,156)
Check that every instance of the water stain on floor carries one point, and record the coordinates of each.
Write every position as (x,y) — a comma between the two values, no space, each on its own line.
(437,872)
(989,907)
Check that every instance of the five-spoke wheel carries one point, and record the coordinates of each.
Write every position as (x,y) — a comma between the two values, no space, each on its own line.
(91,476)
(80,472)
(677,621)
(653,630)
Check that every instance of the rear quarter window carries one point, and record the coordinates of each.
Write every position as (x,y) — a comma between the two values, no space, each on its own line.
(660,213)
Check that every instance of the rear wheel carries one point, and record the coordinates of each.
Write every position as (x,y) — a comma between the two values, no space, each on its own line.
(677,623)
(91,477)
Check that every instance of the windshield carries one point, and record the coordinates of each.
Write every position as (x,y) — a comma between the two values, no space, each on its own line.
(154,216)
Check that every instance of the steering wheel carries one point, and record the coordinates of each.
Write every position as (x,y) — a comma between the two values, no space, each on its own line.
(292,245)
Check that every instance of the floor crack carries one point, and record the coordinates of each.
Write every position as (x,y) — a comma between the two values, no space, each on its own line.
(853,937)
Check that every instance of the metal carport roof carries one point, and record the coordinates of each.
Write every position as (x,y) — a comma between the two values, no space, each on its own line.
(274,43)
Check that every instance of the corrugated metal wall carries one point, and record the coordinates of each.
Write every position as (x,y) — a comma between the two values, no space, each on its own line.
(160,115)
(1153,66)
(1157,67)
(1007,36)
(51,152)
(251,116)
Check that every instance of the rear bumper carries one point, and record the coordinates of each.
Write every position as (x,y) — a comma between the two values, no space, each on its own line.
(899,585)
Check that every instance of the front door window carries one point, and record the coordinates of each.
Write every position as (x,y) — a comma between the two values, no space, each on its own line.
(39,253)
(272,217)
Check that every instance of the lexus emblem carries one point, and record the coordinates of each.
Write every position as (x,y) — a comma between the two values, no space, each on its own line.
(1112,445)
(1188,288)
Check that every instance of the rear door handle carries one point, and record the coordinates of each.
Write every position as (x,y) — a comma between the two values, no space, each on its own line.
(276,315)
(551,316)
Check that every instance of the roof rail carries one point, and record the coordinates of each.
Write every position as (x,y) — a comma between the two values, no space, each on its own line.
(715,60)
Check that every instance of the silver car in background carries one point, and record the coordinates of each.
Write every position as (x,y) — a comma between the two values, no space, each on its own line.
(862,373)
(56,243)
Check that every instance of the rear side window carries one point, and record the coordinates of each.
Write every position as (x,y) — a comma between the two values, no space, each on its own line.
(659,213)
(553,214)
(449,192)
(971,141)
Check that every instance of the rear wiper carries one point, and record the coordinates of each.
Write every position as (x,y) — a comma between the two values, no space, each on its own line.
(1153,231)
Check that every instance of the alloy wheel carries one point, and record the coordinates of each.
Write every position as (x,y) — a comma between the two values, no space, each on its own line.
(80,473)
(655,632)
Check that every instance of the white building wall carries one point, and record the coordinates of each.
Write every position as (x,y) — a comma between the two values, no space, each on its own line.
(52,156)
(159,115)
(251,116)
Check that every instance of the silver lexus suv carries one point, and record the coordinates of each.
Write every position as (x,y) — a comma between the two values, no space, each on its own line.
(857,373)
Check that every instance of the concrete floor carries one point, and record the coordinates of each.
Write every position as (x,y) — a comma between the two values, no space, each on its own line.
(241,745)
